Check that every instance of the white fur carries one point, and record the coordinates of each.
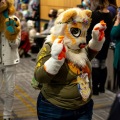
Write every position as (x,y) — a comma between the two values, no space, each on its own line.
(48,39)
(56,48)
(58,29)
(94,43)
(78,59)
(75,46)
(53,65)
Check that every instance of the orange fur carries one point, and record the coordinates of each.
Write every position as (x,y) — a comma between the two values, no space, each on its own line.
(88,13)
(86,70)
(44,67)
(53,37)
(69,15)
(70,36)
(9,6)
(11,9)
(102,22)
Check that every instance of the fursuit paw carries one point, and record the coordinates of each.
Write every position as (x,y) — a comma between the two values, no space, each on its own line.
(98,36)
(54,63)
(98,31)
(58,50)
(12,28)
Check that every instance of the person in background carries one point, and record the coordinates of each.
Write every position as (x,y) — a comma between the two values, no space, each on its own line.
(32,30)
(34,13)
(94,5)
(52,15)
(24,1)
(24,10)
(115,35)
(20,15)
(114,113)
(9,58)
(86,4)
(16,4)
(80,6)
(25,45)
(113,9)
(99,68)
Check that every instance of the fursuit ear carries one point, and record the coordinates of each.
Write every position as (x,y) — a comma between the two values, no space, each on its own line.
(68,15)
(88,13)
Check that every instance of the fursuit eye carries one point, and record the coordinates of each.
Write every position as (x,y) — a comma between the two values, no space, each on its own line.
(75,32)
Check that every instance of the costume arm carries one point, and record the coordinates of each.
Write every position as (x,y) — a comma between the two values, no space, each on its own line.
(58,51)
(98,36)
(12,29)
(49,61)
(40,74)
(91,53)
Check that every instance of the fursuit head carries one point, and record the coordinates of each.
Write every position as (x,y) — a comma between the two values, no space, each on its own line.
(72,26)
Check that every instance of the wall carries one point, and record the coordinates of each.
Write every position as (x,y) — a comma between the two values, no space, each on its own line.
(46,5)
(118,3)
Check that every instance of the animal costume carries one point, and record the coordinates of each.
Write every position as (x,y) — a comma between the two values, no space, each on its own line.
(63,67)
(9,57)
(9,24)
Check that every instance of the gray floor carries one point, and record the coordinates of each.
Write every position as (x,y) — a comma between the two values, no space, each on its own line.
(25,96)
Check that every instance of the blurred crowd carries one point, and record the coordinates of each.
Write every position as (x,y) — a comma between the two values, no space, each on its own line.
(28,11)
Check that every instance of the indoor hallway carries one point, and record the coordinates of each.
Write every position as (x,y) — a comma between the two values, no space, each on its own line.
(26,96)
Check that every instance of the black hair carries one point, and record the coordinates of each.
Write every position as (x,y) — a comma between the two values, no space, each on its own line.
(113,2)
(54,13)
